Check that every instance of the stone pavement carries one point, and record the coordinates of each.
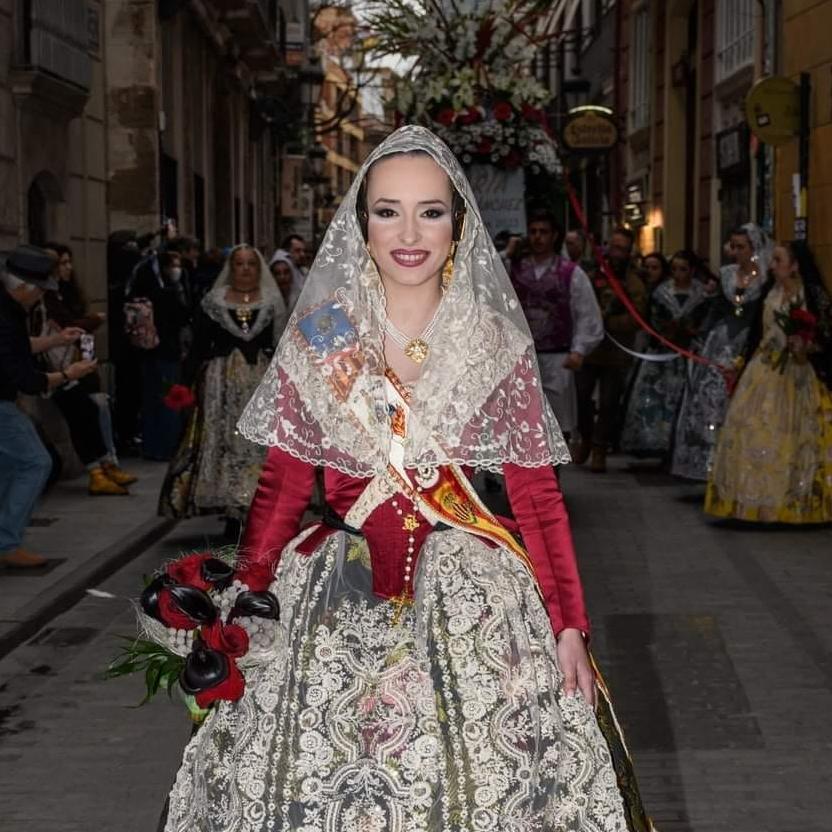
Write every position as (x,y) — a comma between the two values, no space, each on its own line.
(85,538)
(714,639)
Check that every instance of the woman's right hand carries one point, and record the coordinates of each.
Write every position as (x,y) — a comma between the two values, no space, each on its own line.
(79,369)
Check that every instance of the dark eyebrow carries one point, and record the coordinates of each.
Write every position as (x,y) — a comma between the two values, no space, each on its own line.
(424,202)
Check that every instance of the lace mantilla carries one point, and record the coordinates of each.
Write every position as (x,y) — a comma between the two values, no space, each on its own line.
(479,400)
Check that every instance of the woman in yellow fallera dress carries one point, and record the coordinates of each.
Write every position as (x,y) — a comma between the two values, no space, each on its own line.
(773,461)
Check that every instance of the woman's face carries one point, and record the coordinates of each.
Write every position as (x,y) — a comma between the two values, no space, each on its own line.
(410,224)
(653,267)
(245,269)
(282,276)
(680,271)
(741,249)
(782,265)
(64,271)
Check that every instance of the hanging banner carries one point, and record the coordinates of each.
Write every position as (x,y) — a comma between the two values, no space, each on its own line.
(501,195)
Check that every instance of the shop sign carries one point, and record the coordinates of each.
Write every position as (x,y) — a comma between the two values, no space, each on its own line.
(732,157)
(772,108)
(590,129)
(501,196)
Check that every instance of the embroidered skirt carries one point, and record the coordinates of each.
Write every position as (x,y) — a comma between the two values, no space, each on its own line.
(215,469)
(451,718)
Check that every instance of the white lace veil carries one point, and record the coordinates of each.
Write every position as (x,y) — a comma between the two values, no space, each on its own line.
(215,305)
(479,400)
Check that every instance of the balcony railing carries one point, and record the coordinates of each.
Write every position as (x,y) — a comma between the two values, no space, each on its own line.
(55,39)
(735,37)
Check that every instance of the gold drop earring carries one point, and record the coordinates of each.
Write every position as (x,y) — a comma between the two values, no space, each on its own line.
(448,268)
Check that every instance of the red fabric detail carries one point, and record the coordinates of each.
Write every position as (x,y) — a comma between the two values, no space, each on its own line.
(283,495)
(285,489)
(538,505)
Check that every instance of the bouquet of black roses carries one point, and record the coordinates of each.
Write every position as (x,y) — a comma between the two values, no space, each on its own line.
(199,626)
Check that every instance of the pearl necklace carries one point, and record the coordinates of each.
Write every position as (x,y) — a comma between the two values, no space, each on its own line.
(416,349)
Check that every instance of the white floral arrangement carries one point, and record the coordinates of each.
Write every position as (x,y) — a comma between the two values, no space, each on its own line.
(472,80)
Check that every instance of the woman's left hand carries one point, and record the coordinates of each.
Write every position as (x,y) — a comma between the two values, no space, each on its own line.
(574,664)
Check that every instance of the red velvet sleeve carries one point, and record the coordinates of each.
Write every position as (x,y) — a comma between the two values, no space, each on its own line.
(538,506)
(282,496)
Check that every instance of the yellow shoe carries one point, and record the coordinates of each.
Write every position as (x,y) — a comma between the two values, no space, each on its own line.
(118,475)
(22,559)
(102,486)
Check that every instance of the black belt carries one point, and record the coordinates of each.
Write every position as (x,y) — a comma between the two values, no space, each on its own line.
(332,519)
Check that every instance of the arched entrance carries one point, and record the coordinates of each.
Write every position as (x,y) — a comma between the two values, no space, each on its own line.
(43,201)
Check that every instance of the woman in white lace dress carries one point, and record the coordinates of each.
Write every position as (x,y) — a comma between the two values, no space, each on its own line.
(430,671)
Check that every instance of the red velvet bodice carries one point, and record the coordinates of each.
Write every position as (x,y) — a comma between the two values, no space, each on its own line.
(285,489)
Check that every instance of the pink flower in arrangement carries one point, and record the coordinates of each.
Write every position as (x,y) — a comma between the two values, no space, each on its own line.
(503,111)
(446,117)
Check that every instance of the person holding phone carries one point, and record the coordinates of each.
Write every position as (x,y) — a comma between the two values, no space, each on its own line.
(24,462)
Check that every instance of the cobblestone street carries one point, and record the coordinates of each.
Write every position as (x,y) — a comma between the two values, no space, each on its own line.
(714,640)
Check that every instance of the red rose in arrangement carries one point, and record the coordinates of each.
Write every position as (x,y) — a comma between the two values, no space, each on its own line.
(230,639)
(472,115)
(446,116)
(533,114)
(503,111)
(188,570)
(485,146)
(179,397)
(230,688)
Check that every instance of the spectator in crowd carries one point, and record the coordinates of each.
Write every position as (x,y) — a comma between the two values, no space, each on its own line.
(606,367)
(215,469)
(67,307)
(295,246)
(773,456)
(656,269)
(24,462)
(281,267)
(723,340)
(161,280)
(563,315)
(677,308)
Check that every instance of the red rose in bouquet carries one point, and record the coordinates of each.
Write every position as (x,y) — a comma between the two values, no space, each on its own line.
(485,146)
(503,111)
(513,159)
(172,615)
(179,397)
(230,688)
(804,324)
(230,639)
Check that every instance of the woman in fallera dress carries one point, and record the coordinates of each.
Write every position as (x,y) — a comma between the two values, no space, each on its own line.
(430,672)
(677,308)
(773,460)
(723,340)
(240,320)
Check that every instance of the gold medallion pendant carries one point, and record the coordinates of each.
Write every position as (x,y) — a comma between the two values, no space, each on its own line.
(416,350)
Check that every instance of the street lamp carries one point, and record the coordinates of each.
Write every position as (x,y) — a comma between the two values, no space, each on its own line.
(312,82)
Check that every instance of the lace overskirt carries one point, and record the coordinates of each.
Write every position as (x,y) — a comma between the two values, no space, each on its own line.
(448,719)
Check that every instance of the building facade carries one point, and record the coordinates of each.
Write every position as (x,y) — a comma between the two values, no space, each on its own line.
(676,75)
(123,114)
